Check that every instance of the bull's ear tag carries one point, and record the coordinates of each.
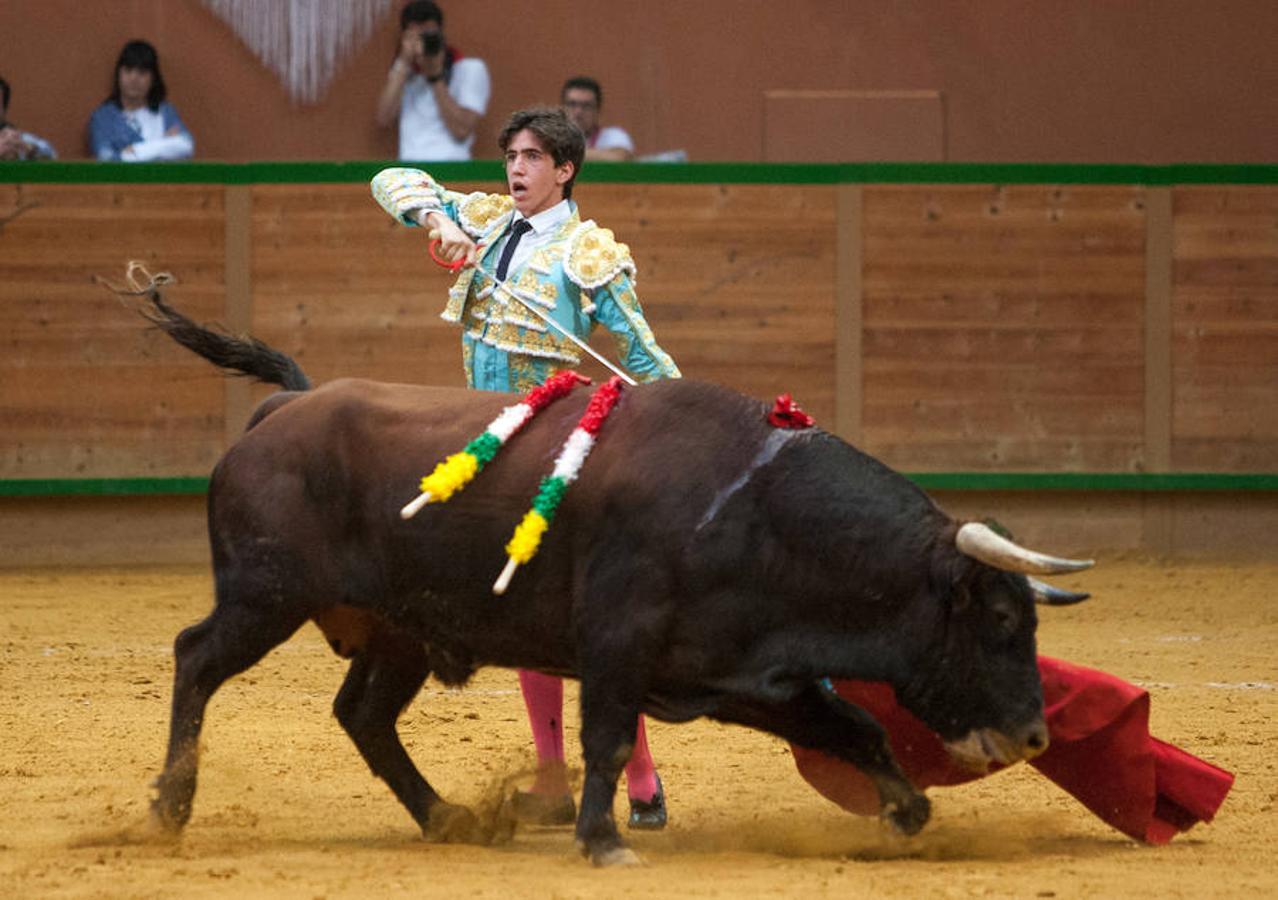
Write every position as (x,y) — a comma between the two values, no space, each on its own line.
(787,414)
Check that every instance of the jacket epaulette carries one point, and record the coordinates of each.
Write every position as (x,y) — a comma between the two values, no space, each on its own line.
(479,212)
(595,257)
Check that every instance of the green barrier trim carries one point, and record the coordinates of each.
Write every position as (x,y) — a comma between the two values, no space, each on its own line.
(1095,481)
(230,173)
(360,171)
(101,487)
(936,481)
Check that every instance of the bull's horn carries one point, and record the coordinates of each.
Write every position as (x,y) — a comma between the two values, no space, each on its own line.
(1053,596)
(982,542)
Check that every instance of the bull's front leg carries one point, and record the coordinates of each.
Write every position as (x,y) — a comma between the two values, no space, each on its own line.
(903,805)
(609,721)
(819,719)
(619,631)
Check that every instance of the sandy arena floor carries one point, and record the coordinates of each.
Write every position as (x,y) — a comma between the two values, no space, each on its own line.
(286,808)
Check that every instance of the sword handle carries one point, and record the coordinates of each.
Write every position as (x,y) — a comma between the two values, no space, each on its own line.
(453,266)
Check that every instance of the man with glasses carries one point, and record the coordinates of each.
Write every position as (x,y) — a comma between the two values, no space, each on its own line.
(582,98)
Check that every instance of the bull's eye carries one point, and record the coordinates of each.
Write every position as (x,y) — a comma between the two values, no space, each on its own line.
(1006,619)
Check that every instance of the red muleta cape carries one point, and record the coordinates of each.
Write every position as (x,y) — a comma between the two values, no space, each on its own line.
(1101,752)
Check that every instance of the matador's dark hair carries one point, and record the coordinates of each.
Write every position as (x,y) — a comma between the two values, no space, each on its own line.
(558,134)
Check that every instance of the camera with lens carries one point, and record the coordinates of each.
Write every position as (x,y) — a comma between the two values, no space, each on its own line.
(432,43)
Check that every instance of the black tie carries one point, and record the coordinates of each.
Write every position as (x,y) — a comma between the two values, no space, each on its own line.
(517,230)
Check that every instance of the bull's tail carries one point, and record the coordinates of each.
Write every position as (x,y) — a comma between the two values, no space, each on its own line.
(238,354)
(243,355)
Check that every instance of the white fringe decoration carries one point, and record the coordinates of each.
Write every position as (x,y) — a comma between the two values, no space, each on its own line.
(303,42)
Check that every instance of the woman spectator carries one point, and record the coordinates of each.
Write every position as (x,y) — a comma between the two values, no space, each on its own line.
(136,123)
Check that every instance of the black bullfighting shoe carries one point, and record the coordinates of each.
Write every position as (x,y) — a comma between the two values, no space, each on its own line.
(649,815)
(543,809)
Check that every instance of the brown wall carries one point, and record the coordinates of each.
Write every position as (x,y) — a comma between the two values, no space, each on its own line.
(1003,326)
(1151,81)
(1030,327)
(1224,330)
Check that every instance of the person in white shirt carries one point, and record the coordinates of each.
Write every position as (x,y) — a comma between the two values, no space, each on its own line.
(136,123)
(582,99)
(437,95)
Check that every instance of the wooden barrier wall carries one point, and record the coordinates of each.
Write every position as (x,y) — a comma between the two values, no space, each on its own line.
(969,328)
(1002,328)
(1224,335)
(323,273)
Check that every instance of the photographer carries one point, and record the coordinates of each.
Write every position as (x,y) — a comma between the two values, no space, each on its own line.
(437,95)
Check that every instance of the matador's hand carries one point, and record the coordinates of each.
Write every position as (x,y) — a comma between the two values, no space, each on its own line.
(454,244)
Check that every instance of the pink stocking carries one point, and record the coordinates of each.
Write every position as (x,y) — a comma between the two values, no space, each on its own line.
(544,698)
(641,774)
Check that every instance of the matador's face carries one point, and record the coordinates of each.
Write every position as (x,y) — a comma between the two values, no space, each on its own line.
(536,183)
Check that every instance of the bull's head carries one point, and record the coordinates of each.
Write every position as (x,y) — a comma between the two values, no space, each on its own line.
(987,704)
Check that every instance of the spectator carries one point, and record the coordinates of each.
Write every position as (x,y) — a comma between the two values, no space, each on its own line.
(582,98)
(17,144)
(136,123)
(437,95)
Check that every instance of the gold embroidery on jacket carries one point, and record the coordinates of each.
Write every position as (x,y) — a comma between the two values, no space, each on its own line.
(516,340)
(543,260)
(595,257)
(530,287)
(478,212)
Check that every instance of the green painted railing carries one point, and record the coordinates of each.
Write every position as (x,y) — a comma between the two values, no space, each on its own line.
(648,173)
(936,481)
(101,487)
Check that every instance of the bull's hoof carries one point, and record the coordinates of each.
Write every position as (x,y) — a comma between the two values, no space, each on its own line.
(168,815)
(163,823)
(909,817)
(617,856)
(543,809)
(610,854)
(453,824)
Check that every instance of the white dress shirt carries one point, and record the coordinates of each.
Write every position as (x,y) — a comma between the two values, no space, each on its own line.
(544,225)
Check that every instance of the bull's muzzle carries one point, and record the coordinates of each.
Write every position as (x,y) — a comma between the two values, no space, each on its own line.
(984,747)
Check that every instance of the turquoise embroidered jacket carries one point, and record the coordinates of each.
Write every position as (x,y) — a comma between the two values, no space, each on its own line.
(583,277)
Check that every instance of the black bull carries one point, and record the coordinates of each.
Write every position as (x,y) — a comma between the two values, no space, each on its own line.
(704,564)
